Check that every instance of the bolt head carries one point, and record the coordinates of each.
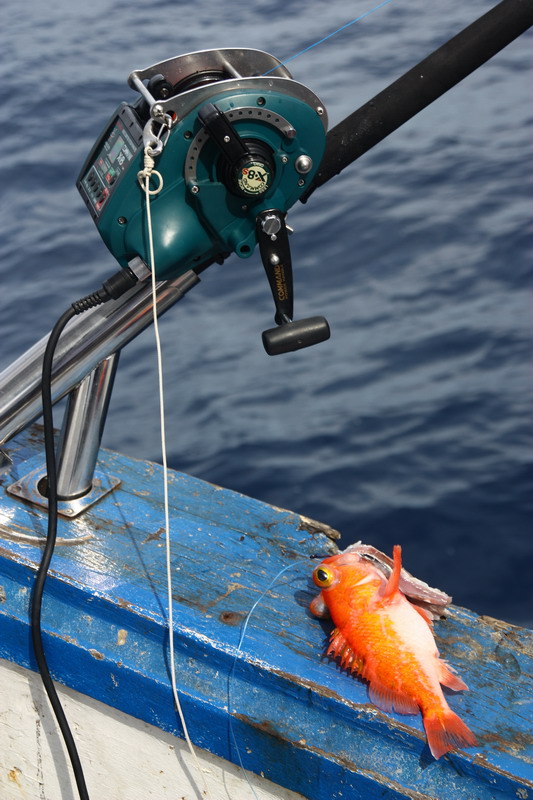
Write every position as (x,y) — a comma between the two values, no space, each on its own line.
(319,111)
(284,159)
(271,224)
(303,164)
(195,189)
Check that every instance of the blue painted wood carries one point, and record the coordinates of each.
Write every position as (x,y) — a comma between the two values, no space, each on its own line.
(296,717)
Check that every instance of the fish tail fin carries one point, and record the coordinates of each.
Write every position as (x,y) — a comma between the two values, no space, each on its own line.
(394,578)
(445,731)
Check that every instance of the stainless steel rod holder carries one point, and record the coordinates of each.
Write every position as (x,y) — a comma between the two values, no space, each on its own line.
(87,340)
(81,433)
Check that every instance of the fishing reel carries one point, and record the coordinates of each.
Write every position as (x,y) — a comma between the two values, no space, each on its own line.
(236,142)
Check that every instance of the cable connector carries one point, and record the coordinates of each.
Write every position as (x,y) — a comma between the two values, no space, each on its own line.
(113,288)
(119,283)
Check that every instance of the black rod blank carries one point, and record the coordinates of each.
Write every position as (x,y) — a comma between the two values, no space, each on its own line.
(421,85)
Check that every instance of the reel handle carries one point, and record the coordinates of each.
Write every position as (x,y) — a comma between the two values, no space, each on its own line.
(273,239)
(295,335)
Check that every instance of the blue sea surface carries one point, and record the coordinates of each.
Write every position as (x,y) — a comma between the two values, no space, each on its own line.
(412,424)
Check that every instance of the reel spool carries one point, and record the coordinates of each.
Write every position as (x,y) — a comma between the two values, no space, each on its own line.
(237,143)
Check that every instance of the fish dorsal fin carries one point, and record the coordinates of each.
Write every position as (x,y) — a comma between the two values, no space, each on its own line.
(340,649)
(392,585)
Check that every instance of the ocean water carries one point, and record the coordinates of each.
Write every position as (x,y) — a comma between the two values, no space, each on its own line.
(413,423)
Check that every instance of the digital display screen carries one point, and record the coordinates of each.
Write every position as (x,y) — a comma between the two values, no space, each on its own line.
(115,150)
(110,159)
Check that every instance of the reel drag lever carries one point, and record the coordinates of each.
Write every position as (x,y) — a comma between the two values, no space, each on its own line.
(273,240)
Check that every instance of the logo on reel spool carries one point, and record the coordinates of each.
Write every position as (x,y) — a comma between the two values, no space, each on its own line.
(254,177)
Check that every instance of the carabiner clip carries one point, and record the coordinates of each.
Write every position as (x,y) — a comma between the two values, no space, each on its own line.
(155,142)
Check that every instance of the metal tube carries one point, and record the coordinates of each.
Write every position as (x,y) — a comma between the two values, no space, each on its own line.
(87,340)
(424,83)
(83,426)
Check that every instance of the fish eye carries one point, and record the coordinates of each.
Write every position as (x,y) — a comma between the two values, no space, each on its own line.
(323,577)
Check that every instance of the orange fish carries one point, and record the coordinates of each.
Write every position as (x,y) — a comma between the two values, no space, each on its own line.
(387,640)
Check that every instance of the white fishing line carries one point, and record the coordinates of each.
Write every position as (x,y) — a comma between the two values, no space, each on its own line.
(148,192)
(232,670)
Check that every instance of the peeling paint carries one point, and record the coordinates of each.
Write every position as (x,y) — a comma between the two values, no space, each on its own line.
(282,685)
(231,617)
(313,527)
(14,775)
(511,741)
(155,536)
(265,726)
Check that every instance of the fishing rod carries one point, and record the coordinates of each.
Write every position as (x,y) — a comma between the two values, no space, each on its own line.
(420,86)
(227,142)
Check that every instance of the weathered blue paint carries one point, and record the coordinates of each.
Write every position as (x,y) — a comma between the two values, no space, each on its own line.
(297,718)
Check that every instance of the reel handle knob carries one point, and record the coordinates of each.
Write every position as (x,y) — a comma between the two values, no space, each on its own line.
(273,239)
(295,335)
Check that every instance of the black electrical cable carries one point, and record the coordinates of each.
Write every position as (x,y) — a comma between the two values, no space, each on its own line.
(36,600)
(112,289)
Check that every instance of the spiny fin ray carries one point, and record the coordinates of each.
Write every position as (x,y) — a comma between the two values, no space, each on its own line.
(340,649)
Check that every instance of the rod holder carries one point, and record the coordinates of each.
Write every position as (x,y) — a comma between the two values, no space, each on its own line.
(81,433)
(89,339)
(84,368)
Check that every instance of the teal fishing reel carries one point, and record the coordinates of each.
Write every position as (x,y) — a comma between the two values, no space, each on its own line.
(235,142)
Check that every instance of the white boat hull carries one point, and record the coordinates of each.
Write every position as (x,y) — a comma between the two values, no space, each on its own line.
(123,758)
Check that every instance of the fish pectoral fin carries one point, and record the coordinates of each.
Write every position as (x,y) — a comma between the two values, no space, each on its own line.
(340,648)
(448,678)
(391,700)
